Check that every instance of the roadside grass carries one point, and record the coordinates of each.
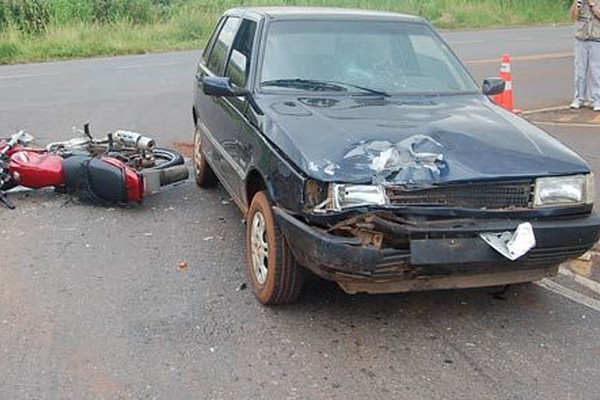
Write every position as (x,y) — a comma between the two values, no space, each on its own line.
(40,30)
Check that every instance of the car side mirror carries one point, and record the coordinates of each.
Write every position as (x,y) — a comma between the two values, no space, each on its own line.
(221,87)
(493,86)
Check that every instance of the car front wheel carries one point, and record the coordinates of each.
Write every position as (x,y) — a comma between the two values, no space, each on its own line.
(272,271)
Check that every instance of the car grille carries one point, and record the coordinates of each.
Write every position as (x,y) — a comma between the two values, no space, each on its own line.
(491,196)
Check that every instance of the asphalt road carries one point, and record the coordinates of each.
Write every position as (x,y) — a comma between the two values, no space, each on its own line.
(93,303)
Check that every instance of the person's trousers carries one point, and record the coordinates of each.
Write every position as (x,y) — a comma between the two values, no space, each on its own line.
(587,71)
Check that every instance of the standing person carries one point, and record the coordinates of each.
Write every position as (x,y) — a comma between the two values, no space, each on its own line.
(586,14)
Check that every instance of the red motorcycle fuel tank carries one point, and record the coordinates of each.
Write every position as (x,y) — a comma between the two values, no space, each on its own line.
(36,170)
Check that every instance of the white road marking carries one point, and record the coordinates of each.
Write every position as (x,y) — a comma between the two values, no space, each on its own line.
(6,77)
(582,280)
(569,294)
(572,124)
(547,109)
(523,39)
(166,64)
(462,42)
(529,57)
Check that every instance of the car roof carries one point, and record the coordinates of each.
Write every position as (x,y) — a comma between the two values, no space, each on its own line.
(277,13)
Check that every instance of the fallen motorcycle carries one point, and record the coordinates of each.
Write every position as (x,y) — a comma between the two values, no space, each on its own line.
(121,168)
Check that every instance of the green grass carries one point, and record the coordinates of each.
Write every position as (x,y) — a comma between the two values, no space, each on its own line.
(37,30)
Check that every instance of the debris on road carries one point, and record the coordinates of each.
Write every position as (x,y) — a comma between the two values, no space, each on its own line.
(501,294)
(185,148)
(182,265)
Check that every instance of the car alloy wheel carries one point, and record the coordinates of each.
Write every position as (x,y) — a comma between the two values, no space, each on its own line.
(271,268)
(259,248)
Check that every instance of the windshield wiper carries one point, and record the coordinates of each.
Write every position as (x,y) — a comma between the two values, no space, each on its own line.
(300,83)
(363,88)
(320,85)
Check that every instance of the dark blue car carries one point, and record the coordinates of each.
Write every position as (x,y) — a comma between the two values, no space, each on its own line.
(359,147)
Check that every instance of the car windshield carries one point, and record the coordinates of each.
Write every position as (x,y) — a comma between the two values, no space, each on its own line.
(363,56)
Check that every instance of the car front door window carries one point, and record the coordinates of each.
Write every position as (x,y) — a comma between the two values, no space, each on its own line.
(239,61)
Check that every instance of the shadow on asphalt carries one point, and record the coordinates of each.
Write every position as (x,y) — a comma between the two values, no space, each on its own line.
(499,303)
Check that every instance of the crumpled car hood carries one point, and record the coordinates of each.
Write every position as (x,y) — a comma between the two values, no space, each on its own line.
(418,140)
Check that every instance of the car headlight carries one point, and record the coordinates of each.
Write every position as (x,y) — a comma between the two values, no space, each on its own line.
(564,190)
(348,196)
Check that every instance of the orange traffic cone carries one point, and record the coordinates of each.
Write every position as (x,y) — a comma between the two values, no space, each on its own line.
(506,99)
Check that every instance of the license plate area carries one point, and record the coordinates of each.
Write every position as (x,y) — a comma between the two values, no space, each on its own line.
(452,251)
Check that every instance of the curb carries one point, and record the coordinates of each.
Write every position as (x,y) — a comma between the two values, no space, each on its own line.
(584,270)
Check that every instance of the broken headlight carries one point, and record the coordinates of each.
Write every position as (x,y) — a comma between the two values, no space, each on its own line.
(564,190)
(315,193)
(348,196)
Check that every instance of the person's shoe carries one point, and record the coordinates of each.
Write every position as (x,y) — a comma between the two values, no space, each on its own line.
(575,105)
(596,108)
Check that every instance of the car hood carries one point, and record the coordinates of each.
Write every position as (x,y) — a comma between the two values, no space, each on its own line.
(416,140)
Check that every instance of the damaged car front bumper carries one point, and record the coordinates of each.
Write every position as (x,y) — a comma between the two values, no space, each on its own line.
(435,254)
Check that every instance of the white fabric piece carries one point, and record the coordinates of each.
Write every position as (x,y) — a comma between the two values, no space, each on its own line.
(512,245)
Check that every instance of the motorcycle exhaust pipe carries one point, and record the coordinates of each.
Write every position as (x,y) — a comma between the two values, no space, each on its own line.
(133,139)
(155,178)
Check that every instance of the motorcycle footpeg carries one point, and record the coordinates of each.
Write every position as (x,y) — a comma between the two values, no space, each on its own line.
(5,200)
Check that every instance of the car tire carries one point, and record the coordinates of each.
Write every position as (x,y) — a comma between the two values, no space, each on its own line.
(205,177)
(272,271)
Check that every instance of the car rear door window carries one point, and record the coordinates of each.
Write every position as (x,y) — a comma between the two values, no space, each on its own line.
(237,68)
(218,56)
(211,41)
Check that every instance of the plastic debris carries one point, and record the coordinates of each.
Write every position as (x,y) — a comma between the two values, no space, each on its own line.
(512,245)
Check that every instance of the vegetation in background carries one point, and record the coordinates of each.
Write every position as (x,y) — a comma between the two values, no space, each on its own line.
(33,30)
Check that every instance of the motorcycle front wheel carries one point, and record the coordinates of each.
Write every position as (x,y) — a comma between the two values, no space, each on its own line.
(166,158)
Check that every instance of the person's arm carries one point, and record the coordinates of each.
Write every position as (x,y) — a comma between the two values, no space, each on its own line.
(575,9)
